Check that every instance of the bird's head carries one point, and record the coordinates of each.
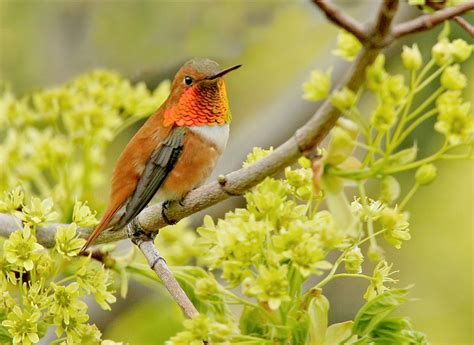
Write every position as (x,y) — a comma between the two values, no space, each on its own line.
(198,95)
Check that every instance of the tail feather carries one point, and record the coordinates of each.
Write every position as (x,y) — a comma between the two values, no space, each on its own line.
(104,222)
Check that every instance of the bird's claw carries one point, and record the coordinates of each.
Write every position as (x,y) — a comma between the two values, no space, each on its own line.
(164,207)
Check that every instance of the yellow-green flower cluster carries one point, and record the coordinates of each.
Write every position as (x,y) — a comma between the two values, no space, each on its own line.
(318,86)
(21,249)
(454,119)
(200,328)
(277,236)
(445,52)
(54,141)
(33,295)
(390,90)
(347,45)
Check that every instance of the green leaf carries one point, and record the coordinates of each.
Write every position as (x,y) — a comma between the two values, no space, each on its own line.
(318,317)
(253,321)
(123,282)
(396,330)
(300,328)
(376,310)
(332,184)
(5,337)
(338,332)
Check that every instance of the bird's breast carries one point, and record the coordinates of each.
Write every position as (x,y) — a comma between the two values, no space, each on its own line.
(215,135)
(202,147)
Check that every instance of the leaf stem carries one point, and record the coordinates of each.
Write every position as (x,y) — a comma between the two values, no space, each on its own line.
(406,109)
(370,224)
(413,126)
(352,275)
(427,102)
(431,78)
(375,234)
(333,270)
(409,195)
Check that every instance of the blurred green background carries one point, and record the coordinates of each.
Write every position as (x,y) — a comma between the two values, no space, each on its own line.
(45,43)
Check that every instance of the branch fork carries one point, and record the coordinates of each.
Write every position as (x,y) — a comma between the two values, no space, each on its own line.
(144,240)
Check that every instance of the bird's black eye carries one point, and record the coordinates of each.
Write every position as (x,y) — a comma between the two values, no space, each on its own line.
(188,80)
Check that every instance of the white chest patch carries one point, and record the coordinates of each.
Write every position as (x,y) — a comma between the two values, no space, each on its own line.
(217,135)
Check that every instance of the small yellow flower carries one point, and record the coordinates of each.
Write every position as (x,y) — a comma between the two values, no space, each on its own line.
(453,79)
(426,174)
(318,86)
(348,46)
(380,277)
(23,325)
(21,249)
(68,243)
(411,57)
(271,286)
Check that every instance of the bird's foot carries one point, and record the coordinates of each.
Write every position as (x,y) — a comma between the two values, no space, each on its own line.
(164,207)
(137,234)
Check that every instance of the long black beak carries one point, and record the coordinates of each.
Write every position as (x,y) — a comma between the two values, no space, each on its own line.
(222,73)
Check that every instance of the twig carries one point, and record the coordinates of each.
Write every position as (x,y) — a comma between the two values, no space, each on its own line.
(428,21)
(144,241)
(461,21)
(465,25)
(338,17)
(382,26)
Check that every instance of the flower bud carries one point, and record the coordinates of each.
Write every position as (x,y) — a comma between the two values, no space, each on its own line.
(393,89)
(461,50)
(206,288)
(256,154)
(343,99)
(453,79)
(441,52)
(384,117)
(404,156)
(353,261)
(411,57)
(347,45)
(375,73)
(318,86)
(82,215)
(425,174)
(13,200)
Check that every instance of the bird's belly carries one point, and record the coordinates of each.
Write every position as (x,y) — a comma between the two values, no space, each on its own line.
(194,166)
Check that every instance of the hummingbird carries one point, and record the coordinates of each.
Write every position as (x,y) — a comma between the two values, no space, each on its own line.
(175,150)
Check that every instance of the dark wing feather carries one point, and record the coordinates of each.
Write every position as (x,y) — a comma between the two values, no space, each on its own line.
(158,167)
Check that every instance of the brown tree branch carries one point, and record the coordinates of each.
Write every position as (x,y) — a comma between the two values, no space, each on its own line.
(338,17)
(461,21)
(144,241)
(427,21)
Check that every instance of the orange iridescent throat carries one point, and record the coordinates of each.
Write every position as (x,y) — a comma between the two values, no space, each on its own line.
(203,104)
